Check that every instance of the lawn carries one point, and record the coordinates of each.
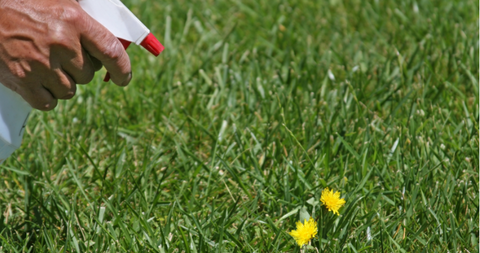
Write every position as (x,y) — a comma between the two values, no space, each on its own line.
(228,138)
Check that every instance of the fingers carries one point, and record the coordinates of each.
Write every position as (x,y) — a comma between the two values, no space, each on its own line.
(61,85)
(38,97)
(81,69)
(97,65)
(104,46)
(43,89)
(54,85)
(45,95)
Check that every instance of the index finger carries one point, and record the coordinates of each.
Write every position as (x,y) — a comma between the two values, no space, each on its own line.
(104,46)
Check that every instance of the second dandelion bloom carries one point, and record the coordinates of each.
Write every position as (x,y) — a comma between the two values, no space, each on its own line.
(332,200)
(305,232)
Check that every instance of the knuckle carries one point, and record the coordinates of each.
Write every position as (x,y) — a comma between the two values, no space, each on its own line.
(59,38)
(60,41)
(60,30)
(71,14)
(19,71)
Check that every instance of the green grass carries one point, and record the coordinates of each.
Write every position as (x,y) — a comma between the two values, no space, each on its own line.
(252,110)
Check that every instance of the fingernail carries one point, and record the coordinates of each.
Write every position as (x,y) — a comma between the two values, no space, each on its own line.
(129,78)
(68,96)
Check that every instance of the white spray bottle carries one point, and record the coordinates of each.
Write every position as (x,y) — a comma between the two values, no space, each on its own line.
(117,19)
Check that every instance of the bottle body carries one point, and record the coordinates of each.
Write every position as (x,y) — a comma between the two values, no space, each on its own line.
(14,112)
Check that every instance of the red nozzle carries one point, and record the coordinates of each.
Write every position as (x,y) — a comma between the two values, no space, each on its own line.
(152,45)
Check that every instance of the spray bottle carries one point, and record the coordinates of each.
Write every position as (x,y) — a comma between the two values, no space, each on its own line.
(112,14)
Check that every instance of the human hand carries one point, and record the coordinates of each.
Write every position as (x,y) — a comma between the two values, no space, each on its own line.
(49,46)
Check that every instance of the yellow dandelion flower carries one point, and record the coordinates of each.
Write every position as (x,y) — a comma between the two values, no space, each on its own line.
(305,232)
(332,200)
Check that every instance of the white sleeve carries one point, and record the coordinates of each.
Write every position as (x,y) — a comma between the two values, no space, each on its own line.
(14,113)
